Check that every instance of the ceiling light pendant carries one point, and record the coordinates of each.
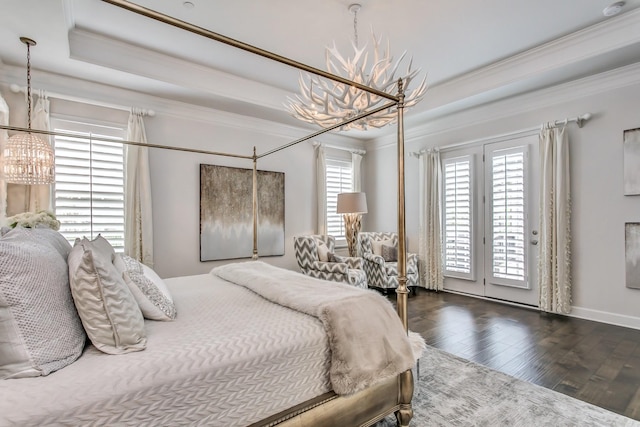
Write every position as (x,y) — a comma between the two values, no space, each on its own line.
(27,158)
(328,103)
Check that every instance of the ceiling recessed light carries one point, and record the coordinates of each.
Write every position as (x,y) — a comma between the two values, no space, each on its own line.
(613,9)
(188,5)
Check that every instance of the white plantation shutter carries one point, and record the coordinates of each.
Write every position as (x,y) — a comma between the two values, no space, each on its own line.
(339,180)
(89,183)
(458,217)
(508,216)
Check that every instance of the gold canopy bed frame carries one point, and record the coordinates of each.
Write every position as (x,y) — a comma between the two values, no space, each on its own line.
(376,402)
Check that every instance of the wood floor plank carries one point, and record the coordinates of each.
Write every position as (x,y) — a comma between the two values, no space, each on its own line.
(592,361)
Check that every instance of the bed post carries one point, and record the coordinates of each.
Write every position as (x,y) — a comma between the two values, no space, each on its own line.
(405,413)
(255,205)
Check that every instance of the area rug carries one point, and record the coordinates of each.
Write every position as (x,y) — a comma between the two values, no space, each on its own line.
(453,392)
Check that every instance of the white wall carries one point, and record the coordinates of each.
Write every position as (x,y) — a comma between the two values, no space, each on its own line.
(600,209)
(175,174)
(175,178)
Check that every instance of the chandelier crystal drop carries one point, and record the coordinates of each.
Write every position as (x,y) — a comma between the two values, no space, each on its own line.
(28,159)
(329,103)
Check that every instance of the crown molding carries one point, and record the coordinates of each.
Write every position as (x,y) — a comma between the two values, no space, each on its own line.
(162,106)
(577,89)
(588,43)
(98,49)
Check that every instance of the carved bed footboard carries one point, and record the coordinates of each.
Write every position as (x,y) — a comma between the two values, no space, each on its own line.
(364,408)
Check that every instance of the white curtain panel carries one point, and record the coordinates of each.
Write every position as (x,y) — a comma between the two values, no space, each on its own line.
(430,242)
(321,189)
(4,120)
(554,266)
(38,197)
(356,172)
(138,228)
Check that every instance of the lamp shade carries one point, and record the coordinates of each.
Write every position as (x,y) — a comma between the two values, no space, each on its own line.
(352,203)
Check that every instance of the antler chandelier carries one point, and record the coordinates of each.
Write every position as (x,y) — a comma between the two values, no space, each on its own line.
(328,103)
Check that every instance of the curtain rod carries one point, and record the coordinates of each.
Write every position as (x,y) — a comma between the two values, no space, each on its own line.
(338,147)
(17,89)
(580,120)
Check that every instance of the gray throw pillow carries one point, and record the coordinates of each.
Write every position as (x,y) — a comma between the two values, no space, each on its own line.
(389,253)
(39,327)
(39,234)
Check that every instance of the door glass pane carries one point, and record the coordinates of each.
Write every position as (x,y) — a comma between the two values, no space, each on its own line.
(457,216)
(508,215)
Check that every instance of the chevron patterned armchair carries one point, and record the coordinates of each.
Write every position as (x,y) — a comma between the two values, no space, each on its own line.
(379,252)
(310,249)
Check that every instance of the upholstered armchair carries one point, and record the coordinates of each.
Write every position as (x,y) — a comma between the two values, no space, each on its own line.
(379,252)
(316,258)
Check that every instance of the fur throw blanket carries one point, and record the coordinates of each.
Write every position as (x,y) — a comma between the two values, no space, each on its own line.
(367,340)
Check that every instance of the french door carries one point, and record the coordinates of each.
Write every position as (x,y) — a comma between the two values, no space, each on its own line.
(490,219)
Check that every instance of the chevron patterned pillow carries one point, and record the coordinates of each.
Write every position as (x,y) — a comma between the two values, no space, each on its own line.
(109,312)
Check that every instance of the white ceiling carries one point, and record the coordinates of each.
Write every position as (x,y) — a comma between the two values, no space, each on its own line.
(472,51)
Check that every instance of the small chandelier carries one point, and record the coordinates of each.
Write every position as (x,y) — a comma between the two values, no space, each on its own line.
(28,160)
(327,104)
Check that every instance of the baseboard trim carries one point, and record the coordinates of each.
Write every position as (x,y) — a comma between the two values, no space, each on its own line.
(605,317)
(622,320)
(501,301)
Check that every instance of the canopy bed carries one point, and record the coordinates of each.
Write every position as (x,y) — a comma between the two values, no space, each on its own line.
(351,402)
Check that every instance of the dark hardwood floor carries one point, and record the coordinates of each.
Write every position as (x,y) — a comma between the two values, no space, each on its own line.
(591,361)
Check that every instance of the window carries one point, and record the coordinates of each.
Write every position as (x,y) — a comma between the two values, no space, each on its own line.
(458,242)
(338,181)
(89,184)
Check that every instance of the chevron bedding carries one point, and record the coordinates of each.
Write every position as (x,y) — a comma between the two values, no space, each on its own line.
(214,365)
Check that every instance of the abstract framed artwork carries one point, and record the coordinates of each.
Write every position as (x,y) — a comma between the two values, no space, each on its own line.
(631,166)
(632,254)
(226,213)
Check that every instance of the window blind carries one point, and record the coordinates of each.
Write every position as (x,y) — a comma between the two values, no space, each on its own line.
(457,216)
(508,215)
(339,180)
(89,183)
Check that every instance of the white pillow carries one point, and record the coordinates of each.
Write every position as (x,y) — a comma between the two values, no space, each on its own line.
(149,290)
(109,312)
(101,245)
(40,331)
(376,245)
(323,251)
(153,276)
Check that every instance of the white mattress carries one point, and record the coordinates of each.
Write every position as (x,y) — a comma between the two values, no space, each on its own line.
(229,359)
